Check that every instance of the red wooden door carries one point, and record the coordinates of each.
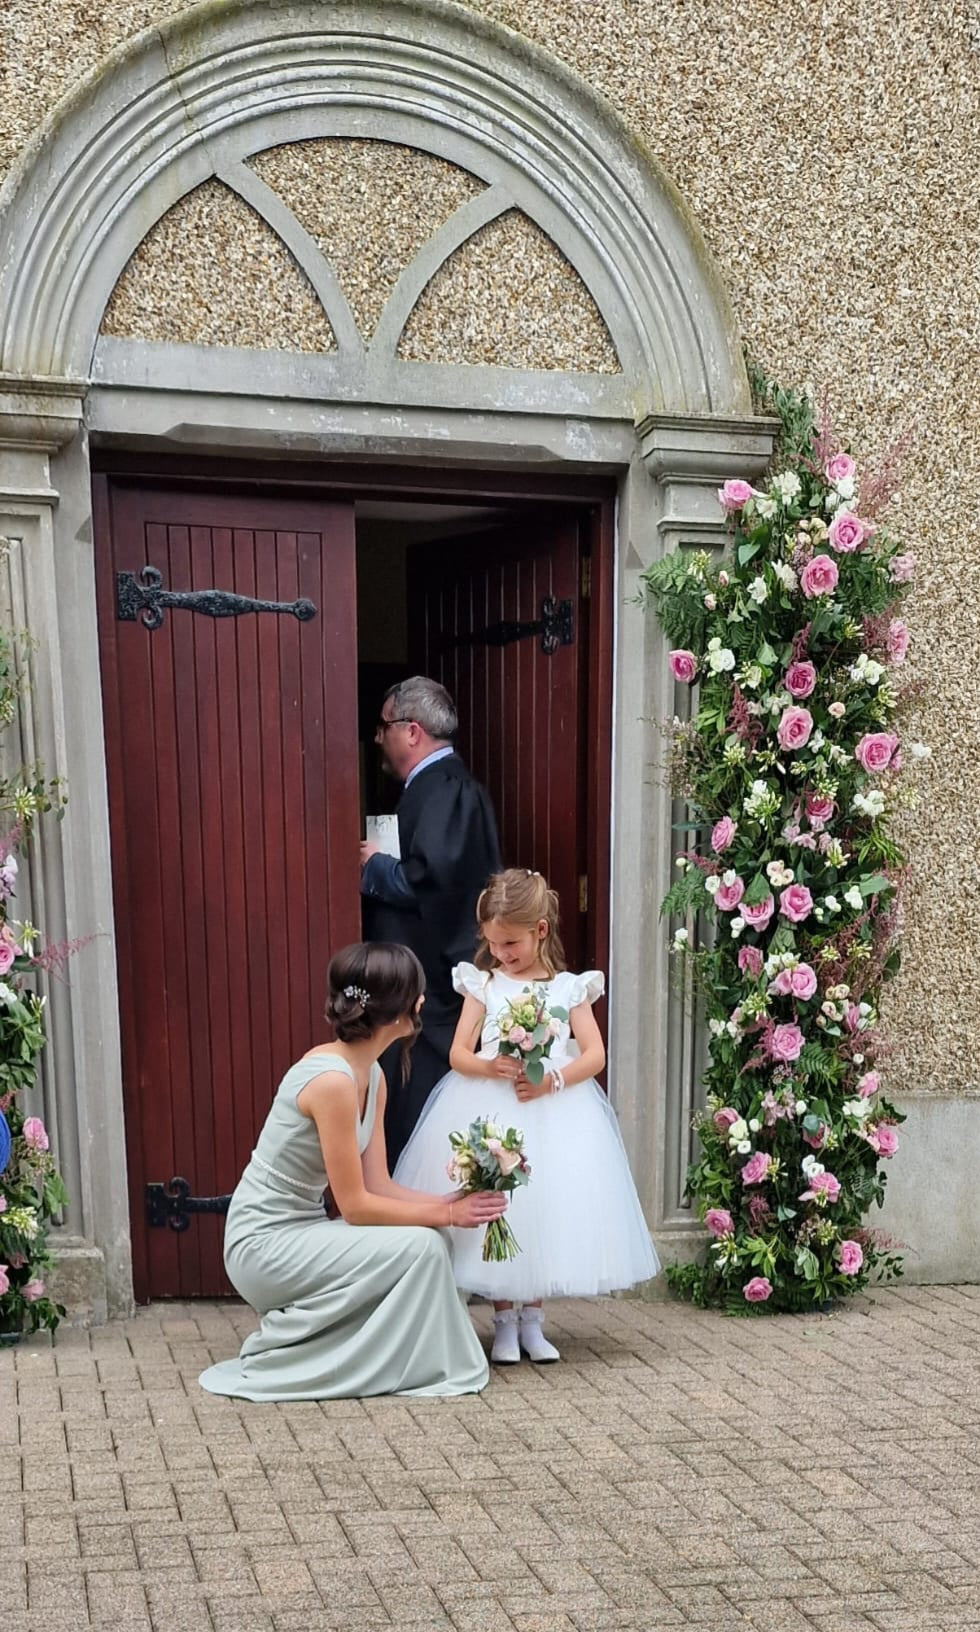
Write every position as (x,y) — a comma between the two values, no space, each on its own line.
(232,766)
(523,710)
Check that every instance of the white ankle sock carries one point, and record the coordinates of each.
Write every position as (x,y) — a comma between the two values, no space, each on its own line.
(533,1341)
(506,1349)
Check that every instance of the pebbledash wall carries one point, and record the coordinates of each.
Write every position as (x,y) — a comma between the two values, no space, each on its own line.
(537,230)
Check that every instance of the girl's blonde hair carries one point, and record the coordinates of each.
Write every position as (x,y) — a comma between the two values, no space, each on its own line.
(521,898)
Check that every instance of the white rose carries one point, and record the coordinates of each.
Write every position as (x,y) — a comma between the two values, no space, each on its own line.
(754,1124)
(854,898)
(680,936)
(831,903)
(812,1167)
(716,1027)
(737,1131)
(800,1107)
(744,1147)
(787,485)
(712,883)
(765,507)
(845,487)
(784,572)
(720,659)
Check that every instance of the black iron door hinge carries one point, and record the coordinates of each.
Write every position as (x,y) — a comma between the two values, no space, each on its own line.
(169,1206)
(555,626)
(145,598)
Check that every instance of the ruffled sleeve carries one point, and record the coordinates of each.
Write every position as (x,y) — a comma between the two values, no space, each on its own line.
(585,988)
(470,981)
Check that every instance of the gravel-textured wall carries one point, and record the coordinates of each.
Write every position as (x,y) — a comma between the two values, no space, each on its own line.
(831,156)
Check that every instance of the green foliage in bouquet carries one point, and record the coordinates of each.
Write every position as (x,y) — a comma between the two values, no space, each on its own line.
(789,894)
(31,1189)
(488,1157)
(526,1029)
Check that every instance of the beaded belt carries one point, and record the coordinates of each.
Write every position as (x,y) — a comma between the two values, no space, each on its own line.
(287,1178)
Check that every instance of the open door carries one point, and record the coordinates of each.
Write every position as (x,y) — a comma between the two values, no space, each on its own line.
(502,618)
(229,682)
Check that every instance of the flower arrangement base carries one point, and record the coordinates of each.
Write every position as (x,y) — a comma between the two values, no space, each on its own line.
(10,1336)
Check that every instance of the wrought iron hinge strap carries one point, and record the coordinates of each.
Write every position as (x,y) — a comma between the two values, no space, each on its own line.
(144,598)
(555,626)
(169,1206)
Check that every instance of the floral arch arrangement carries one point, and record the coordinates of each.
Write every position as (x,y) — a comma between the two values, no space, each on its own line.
(790,892)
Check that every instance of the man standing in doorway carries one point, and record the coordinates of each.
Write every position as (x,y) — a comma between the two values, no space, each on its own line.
(427,899)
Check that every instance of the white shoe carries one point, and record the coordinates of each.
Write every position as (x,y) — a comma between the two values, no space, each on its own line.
(506,1349)
(533,1341)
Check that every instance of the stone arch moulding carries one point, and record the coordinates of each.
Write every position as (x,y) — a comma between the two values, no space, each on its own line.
(194,97)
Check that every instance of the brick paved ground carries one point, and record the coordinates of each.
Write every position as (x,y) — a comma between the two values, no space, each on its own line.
(679,1470)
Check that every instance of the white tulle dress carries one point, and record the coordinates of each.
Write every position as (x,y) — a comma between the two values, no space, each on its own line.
(578,1222)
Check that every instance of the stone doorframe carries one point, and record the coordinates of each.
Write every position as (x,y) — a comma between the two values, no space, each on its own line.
(189,101)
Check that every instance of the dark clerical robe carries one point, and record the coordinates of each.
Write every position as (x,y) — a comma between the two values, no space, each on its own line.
(448,840)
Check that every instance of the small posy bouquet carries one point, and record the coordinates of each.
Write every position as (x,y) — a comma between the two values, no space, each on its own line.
(487,1158)
(527,1028)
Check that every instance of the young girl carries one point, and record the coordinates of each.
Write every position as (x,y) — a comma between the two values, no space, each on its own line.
(578,1222)
(363,1302)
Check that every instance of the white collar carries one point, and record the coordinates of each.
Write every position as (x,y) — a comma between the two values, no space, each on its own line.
(430,759)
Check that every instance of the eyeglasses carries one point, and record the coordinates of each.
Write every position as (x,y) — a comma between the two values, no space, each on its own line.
(383,724)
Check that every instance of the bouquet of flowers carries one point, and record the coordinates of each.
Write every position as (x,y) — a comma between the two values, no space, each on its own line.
(527,1028)
(487,1158)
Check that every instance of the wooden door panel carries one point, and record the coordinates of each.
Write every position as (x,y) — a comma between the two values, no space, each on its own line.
(232,766)
(522,713)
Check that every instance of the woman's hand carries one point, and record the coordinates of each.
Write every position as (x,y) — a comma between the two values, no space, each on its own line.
(526,1090)
(479,1207)
(506,1066)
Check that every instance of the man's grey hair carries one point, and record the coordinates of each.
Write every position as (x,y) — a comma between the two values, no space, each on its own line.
(427,703)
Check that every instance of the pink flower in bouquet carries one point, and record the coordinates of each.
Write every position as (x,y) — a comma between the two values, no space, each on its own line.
(876,750)
(516,1035)
(757,1290)
(32,1291)
(902,569)
(728,896)
(847,532)
(800,679)
(838,710)
(35,1133)
(786,1042)
(819,577)
(718,1221)
(800,982)
(898,641)
(507,1160)
(852,1017)
(4,1280)
(839,467)
(17,1260)
(819,810)
(722,834)
(758,917)
(868,1084)
(724,1118)
(794,729)
(817,1140)
(796,903)
(882,1138)
(7,955)
(750,961)
(850,1257)
(683,665)
(823,1186)
(756,1169)
(3,1204)
(735,494)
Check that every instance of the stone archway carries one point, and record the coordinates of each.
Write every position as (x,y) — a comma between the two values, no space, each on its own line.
(189,104)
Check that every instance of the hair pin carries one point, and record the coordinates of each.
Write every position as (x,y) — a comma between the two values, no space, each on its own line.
(359,993)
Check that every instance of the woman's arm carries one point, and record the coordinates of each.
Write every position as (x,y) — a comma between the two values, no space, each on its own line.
(330,1101)
(461,1055)
(591,1058)
(374,1162)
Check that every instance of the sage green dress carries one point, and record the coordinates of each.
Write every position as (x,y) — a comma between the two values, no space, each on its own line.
(347,1310)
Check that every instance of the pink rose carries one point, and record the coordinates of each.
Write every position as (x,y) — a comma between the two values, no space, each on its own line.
(722,834)
(756,1168)
(794,728)
(898,641)
(718,1221)
(850,1257)
(683,666)
(868,1084)
(507,1160)
(819,809)
(847,532)
(3,1204)
(728,896)
(882,1138)
(786,1042)
(875,750)
(35,1134)
(819,577)
(4,1280)
(796,903)
(516,1035)
(902,569)
(839,467)
(7,956)
(822,1185)
(800,679)
(838,710)
(757,1290)
(750,961)
(724,1118)
(800,982)
(32,1291)
(734,494)
(758,917)
(817,1140)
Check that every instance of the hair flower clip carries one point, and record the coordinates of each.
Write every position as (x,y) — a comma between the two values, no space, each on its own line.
(359,993)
